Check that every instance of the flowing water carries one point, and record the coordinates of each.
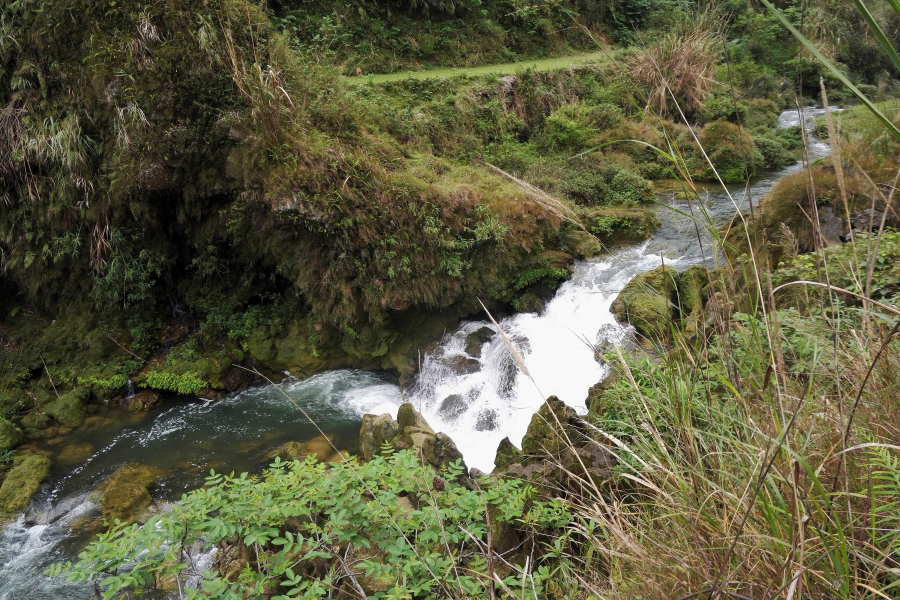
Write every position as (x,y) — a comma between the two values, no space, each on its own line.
(186,440)
(468,387)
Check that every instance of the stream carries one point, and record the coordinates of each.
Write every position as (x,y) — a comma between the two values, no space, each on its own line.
(474,392)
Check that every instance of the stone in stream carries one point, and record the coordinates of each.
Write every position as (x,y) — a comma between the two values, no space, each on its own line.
(476,340)
(125,495)
(453,407)
(22,482)
(462,365)
(75,453)
(487,420)
(321,447)
(142,400)
(647,301)
(655,301)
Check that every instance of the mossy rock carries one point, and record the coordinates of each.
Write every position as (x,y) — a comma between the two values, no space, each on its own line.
(12,401)
(125,495)
(596,399)
(693,293)
(580,243)
(22,483)
(10,435)
(374,432)
(647,302)
(507,454)
(548,432)
(408,416)
(69,409)
(693,290)
(36,419)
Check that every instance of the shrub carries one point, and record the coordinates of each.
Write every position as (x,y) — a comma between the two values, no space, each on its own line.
(570,126)
(392,524)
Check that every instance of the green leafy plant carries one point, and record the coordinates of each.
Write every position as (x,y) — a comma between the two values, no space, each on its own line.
(389,528)
(186,383)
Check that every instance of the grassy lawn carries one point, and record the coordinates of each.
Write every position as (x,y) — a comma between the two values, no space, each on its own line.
(545,64)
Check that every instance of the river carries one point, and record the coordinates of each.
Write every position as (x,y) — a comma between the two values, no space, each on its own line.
(477,406)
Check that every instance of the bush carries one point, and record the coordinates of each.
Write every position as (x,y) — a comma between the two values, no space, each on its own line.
(389,528)
(570,127)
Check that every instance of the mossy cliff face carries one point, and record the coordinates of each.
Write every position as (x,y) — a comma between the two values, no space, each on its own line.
(198,182)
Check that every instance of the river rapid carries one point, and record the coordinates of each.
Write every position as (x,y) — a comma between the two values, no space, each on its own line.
(477,405)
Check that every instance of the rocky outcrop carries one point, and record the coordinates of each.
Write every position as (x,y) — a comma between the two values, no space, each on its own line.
(656,301)
(22,482)
(125,495)
(558,451)
(409,431)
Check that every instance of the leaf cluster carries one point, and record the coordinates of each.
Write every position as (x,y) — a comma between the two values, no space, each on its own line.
(305,528)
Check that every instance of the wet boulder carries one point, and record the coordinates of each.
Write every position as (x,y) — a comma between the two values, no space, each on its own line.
(462,365)
(453,407)
(21,483)
(693,294)
(68,409)
(142,400)
(655,301)
(476,340)
(35,421)
(125,495)
(10,435)
(75,453)
(320,447)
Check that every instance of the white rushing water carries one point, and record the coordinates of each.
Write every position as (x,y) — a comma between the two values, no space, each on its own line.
(469,387)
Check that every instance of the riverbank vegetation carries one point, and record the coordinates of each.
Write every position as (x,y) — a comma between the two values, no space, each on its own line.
(189,190)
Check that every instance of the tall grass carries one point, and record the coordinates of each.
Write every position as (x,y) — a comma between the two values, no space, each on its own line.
(680,66)
(760,458)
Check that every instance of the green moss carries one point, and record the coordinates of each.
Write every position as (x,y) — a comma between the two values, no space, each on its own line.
(693,286)
(22,482)
(10,435)
(69,409)
(36,419)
